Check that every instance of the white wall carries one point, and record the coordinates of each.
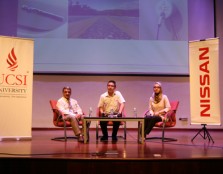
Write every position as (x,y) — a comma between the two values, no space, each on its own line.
(87,89)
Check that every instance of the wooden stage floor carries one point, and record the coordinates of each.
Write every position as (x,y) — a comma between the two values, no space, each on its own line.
(124,155)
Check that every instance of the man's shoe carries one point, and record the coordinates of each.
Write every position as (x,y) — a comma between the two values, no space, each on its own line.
(104,138)
(80,138)
(114,138)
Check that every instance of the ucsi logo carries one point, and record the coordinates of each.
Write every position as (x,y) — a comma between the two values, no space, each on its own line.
(11,78)
(12,61)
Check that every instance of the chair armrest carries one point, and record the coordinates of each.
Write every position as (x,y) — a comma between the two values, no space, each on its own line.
(146,113)
(60,115)
(168,115)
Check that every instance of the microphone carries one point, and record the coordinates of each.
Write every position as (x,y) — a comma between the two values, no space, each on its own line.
(111,114)
(90,111)
(164,10)
(135,112)
(161,18)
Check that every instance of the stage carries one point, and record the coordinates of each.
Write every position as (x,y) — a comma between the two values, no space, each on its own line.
(43,155)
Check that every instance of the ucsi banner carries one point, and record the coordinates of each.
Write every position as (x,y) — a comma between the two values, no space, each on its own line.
(204,82)
(16,83)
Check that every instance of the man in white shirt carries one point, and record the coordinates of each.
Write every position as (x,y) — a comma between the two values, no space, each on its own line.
(71,110)
(111,102)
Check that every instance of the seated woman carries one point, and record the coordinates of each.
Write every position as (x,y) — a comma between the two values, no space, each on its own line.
(158,106)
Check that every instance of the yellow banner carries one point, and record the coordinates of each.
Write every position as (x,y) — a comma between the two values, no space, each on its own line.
(16,83)
(204,82)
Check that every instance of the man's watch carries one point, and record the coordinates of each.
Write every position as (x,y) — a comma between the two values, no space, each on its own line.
(119,115)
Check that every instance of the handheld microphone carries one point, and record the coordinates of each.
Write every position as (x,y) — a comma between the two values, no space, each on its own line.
(164,10)
(112,112)
(161,18)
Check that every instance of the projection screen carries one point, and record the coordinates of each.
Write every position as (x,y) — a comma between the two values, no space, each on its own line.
(106,36)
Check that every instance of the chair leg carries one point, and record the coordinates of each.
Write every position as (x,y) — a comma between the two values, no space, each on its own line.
(64,138)
(88,129)
(65,131)
(163,136)
(163,131)
(97,131)
(65,134)
(125,131)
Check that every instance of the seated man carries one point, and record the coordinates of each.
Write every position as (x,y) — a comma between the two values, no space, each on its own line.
(71,110)
(111,102)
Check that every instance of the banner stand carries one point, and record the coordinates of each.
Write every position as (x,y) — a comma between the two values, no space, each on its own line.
(205,133)
(204,84)
(16,86)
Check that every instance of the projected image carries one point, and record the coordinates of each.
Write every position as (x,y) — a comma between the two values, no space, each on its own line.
(163,20)
(41,18)
(103,19)
(103,36)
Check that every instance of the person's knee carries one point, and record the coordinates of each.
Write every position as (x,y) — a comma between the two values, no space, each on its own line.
(147,117)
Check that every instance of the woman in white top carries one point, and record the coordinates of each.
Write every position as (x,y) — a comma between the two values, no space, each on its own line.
(158,106)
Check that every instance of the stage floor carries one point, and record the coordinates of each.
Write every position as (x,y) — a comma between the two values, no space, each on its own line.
(41,146)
